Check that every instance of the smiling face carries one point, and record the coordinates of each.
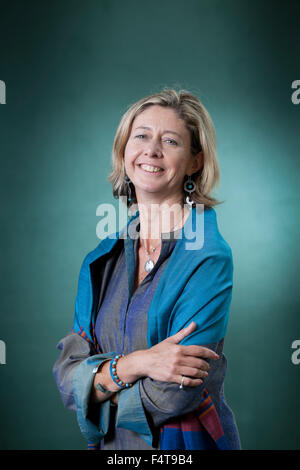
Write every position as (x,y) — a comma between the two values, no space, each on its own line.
(157,155)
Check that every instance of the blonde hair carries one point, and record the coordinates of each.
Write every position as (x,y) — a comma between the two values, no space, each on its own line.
(197,120)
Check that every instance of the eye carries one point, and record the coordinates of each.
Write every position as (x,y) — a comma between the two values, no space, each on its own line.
(173,142)
(142,136)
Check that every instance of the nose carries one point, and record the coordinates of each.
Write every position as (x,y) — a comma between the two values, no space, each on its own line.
(153,149)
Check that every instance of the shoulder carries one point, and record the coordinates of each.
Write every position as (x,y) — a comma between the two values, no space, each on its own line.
(213,262)
(213,239)
(217,249)
(207,240)
(105,245)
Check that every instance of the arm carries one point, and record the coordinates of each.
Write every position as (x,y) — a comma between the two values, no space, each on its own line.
(74,373)
(164,400)
(75,369)
(77,372)
(74,349)
(165,361)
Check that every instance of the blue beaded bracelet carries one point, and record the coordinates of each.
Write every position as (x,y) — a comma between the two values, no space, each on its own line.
(113,372)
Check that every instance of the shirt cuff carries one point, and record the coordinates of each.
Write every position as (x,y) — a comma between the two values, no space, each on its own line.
(82,384)
(131,414)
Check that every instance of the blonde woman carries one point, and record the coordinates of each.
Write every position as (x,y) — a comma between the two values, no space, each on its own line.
(143,364)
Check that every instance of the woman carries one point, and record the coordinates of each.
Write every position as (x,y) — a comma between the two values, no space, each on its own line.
(143,364)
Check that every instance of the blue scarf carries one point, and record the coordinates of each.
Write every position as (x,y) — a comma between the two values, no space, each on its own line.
(195,285)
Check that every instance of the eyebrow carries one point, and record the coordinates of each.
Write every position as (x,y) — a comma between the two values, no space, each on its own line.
(164,132)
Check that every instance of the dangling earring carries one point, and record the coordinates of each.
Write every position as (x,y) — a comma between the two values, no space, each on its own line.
(189,186)
(128,181)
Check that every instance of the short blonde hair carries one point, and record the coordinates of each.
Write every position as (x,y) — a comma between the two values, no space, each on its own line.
(197,120)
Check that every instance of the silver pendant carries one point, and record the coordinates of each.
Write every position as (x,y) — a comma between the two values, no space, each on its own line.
(149,265)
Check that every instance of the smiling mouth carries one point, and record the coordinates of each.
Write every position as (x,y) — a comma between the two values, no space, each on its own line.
(150,168)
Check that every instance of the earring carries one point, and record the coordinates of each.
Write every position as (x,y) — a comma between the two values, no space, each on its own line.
(128,181)
(189,186)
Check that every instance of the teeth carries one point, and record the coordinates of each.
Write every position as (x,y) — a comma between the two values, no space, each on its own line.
(152,169)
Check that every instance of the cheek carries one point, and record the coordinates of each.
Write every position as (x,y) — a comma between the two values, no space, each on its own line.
(130,147)
(179,164)
(130,150)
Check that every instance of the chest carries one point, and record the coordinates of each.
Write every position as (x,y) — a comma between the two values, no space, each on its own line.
(140,272)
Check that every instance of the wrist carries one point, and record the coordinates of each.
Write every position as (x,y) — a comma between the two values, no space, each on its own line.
(103,376)
(132,367)
(142,362)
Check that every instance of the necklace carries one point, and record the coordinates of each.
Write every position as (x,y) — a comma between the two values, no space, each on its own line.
(149,265)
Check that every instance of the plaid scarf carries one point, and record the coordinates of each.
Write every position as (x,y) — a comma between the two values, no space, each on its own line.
(200,429)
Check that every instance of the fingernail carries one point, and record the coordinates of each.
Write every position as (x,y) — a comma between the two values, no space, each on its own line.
(217,356)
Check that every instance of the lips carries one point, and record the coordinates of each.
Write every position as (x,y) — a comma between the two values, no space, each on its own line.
(151,165)
(149,169)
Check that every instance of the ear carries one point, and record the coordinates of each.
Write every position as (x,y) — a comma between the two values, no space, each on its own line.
(196,162)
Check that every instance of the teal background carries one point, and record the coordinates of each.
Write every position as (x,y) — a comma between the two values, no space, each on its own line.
(71,68)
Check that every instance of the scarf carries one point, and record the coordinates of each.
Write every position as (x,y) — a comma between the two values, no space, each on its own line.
(168,313)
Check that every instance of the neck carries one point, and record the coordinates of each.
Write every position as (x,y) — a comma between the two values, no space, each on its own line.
(157,218)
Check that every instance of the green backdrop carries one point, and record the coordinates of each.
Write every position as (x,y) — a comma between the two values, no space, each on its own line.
(71,68)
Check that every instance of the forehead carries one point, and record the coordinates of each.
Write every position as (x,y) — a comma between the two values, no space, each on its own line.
(162,118)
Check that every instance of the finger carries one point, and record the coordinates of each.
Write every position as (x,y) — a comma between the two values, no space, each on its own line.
(195,362)
(199,351)
(182,333)
(193,372)
(188,381)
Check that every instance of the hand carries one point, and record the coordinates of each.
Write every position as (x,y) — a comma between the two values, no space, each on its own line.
(168,361)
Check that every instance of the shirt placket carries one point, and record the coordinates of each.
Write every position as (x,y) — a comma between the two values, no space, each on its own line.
(131,253)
